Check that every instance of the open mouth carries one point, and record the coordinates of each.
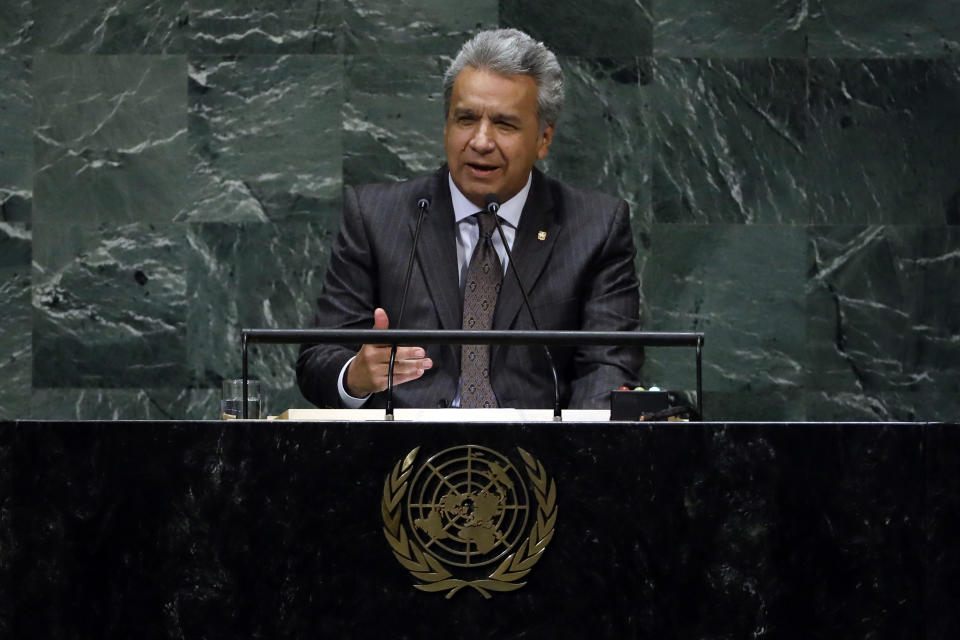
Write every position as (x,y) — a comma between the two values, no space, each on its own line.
(482,170)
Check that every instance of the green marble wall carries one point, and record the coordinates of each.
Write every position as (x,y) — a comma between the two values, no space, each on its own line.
(171,170)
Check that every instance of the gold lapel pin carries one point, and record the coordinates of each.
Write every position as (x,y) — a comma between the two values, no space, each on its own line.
(541,235)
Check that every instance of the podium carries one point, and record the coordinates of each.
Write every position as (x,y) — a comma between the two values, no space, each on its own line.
(276,529)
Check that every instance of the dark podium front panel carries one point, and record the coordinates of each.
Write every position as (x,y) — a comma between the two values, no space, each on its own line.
(276,530)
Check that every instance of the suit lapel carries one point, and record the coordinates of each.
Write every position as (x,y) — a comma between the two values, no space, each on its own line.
(530,253)
(437,253)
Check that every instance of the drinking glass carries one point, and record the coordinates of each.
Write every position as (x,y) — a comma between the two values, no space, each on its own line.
(231,399)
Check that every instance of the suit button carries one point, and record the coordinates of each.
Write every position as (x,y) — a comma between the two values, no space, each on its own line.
(442,403)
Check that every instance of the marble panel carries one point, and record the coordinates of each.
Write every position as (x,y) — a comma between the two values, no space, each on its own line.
(883,141)
(942,527)
(110,138)
(109,306)
(620,28)
(43,559)
(15,28)
(15,320)
(16,151)
(110,26)
(882,309)
(257,276)
(7,540)
(729,141)
(232,27)
(265,137)
(602,139)
(123,404)
(358,26)
(780,525)
(883,406)
(413,26)
(762,406)
(392,117)
(730,28)
(742,286)
(642,244)
(664,531)
(849,550)
(883,28)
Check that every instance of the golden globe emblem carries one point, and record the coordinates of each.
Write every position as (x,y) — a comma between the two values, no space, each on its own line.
(467,510)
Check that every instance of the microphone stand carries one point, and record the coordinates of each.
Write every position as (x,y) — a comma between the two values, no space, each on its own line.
(422,204)
(493,206)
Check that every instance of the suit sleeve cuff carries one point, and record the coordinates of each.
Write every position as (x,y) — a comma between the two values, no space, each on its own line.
(346,399)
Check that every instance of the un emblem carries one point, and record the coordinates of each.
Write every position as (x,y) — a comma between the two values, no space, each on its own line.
(469,513)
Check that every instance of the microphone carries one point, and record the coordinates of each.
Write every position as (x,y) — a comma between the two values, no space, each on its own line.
(423,204)
(493,206)
(493,203)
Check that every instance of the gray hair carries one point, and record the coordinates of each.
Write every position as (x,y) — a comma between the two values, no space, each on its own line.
(509,51)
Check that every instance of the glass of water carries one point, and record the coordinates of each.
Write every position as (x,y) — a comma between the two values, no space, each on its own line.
(231,399)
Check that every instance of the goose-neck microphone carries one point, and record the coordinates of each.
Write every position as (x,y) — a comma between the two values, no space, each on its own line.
(493,206)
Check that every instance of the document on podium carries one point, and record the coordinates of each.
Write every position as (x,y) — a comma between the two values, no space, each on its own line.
(445,415)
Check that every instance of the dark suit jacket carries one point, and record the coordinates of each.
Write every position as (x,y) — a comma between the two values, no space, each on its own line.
(581,276)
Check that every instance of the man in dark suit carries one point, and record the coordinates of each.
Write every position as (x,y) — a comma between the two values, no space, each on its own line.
(573,250)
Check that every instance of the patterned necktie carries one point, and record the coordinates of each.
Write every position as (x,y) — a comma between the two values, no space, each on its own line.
(479,300)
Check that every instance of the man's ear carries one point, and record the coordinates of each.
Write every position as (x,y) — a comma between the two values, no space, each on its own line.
(546,137)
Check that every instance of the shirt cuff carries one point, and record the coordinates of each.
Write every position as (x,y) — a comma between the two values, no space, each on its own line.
(348,400)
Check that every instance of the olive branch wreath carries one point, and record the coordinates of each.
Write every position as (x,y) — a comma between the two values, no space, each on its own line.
(433,575)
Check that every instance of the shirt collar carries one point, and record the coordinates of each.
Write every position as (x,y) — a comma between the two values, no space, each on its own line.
(509,211)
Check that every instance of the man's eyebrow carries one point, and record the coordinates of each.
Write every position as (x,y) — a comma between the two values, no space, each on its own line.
(460,112)
(505,117)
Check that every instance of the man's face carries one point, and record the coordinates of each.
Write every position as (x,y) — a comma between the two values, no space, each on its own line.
(491,134)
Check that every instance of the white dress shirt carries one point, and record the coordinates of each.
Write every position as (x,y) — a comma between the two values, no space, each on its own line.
(468,235)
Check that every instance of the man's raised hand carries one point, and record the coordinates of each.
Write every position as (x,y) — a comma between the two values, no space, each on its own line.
(368,372)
